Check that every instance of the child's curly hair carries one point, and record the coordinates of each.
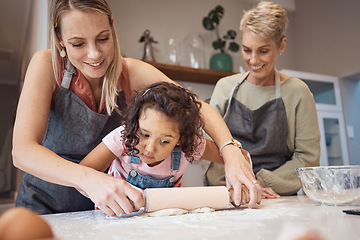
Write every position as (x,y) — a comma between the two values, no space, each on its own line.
(175,102)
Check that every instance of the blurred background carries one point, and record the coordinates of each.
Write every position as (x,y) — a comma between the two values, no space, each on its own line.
(322,49)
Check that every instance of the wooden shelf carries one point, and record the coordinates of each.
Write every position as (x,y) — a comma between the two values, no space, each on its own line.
(188,74)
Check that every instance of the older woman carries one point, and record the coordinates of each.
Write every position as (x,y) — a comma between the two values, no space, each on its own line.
(271,114)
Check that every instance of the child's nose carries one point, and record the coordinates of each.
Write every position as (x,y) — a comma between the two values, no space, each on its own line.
(150,147)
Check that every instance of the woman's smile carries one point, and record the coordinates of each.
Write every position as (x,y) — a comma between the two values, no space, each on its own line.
(95,66)
(257,67)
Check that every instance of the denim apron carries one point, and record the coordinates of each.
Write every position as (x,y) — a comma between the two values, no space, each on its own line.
(73,130)
(262,132)
(147,181)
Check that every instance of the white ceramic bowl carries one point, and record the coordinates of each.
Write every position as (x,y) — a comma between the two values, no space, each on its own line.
(331,185)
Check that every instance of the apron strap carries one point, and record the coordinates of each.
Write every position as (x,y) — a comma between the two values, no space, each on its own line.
(134,159)
(277,84)
(235,89)
(68,73)
(176,158)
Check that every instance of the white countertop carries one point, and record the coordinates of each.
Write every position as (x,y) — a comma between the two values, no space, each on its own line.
(276,219)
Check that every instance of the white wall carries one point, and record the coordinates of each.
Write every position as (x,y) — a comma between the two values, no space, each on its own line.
(327,36)
(166,19)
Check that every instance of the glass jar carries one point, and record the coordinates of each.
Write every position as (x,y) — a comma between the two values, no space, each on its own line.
(194,51)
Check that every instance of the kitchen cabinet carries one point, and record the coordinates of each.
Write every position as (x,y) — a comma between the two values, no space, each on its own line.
(326,91)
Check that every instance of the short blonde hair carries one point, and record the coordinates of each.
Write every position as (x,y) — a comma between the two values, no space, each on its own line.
(111,77)
(267,20)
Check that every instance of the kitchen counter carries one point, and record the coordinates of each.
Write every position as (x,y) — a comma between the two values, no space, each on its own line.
(277,219)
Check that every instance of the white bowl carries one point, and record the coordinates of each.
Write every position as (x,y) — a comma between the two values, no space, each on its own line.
(331,185)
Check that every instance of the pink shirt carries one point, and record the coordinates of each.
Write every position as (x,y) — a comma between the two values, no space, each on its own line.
(121,166)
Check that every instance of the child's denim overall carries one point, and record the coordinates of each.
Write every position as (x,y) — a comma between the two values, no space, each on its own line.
(147,181)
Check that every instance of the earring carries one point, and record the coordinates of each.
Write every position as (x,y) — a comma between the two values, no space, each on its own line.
(62,53)
(280,54)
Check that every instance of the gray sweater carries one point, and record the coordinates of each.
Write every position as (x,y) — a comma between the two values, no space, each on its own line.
(303,138)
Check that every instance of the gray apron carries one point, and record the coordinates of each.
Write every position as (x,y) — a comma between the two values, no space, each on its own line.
(262,132)
(73,130)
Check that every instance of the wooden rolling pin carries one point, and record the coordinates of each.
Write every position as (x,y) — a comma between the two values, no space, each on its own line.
(188,198)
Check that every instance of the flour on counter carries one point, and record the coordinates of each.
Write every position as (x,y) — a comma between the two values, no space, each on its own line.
(168,212)
(203,210)
(179,211)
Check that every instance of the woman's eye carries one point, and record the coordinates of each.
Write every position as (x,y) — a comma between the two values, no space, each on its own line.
(77,45)
(103,39)
(164,141)
(246,50)
(264,51)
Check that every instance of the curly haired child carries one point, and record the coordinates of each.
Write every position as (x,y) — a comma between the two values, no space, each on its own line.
(160,135)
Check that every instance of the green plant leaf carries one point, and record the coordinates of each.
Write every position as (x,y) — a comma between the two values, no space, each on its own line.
(219,44)
(231,34)
(216,20)
(234,47)
(219,11)
(216,14)
(226,37)
(211,22)
(208,24)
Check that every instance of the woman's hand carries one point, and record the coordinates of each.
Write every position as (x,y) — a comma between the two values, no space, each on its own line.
(238,172)
(267,192)
(112,195)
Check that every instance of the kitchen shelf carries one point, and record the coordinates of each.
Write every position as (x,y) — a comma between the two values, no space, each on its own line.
(188,74)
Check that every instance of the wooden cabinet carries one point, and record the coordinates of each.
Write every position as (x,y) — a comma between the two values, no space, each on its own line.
(189,74)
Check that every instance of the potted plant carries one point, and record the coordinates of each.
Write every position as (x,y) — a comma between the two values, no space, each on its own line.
(220,61)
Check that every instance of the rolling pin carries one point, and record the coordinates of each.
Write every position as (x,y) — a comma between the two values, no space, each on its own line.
(188,198)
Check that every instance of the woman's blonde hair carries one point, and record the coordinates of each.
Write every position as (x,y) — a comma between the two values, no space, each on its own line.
(111,77)
(267,20)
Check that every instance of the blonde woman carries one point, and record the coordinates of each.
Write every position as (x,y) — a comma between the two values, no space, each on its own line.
(271,114)
(71,99)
